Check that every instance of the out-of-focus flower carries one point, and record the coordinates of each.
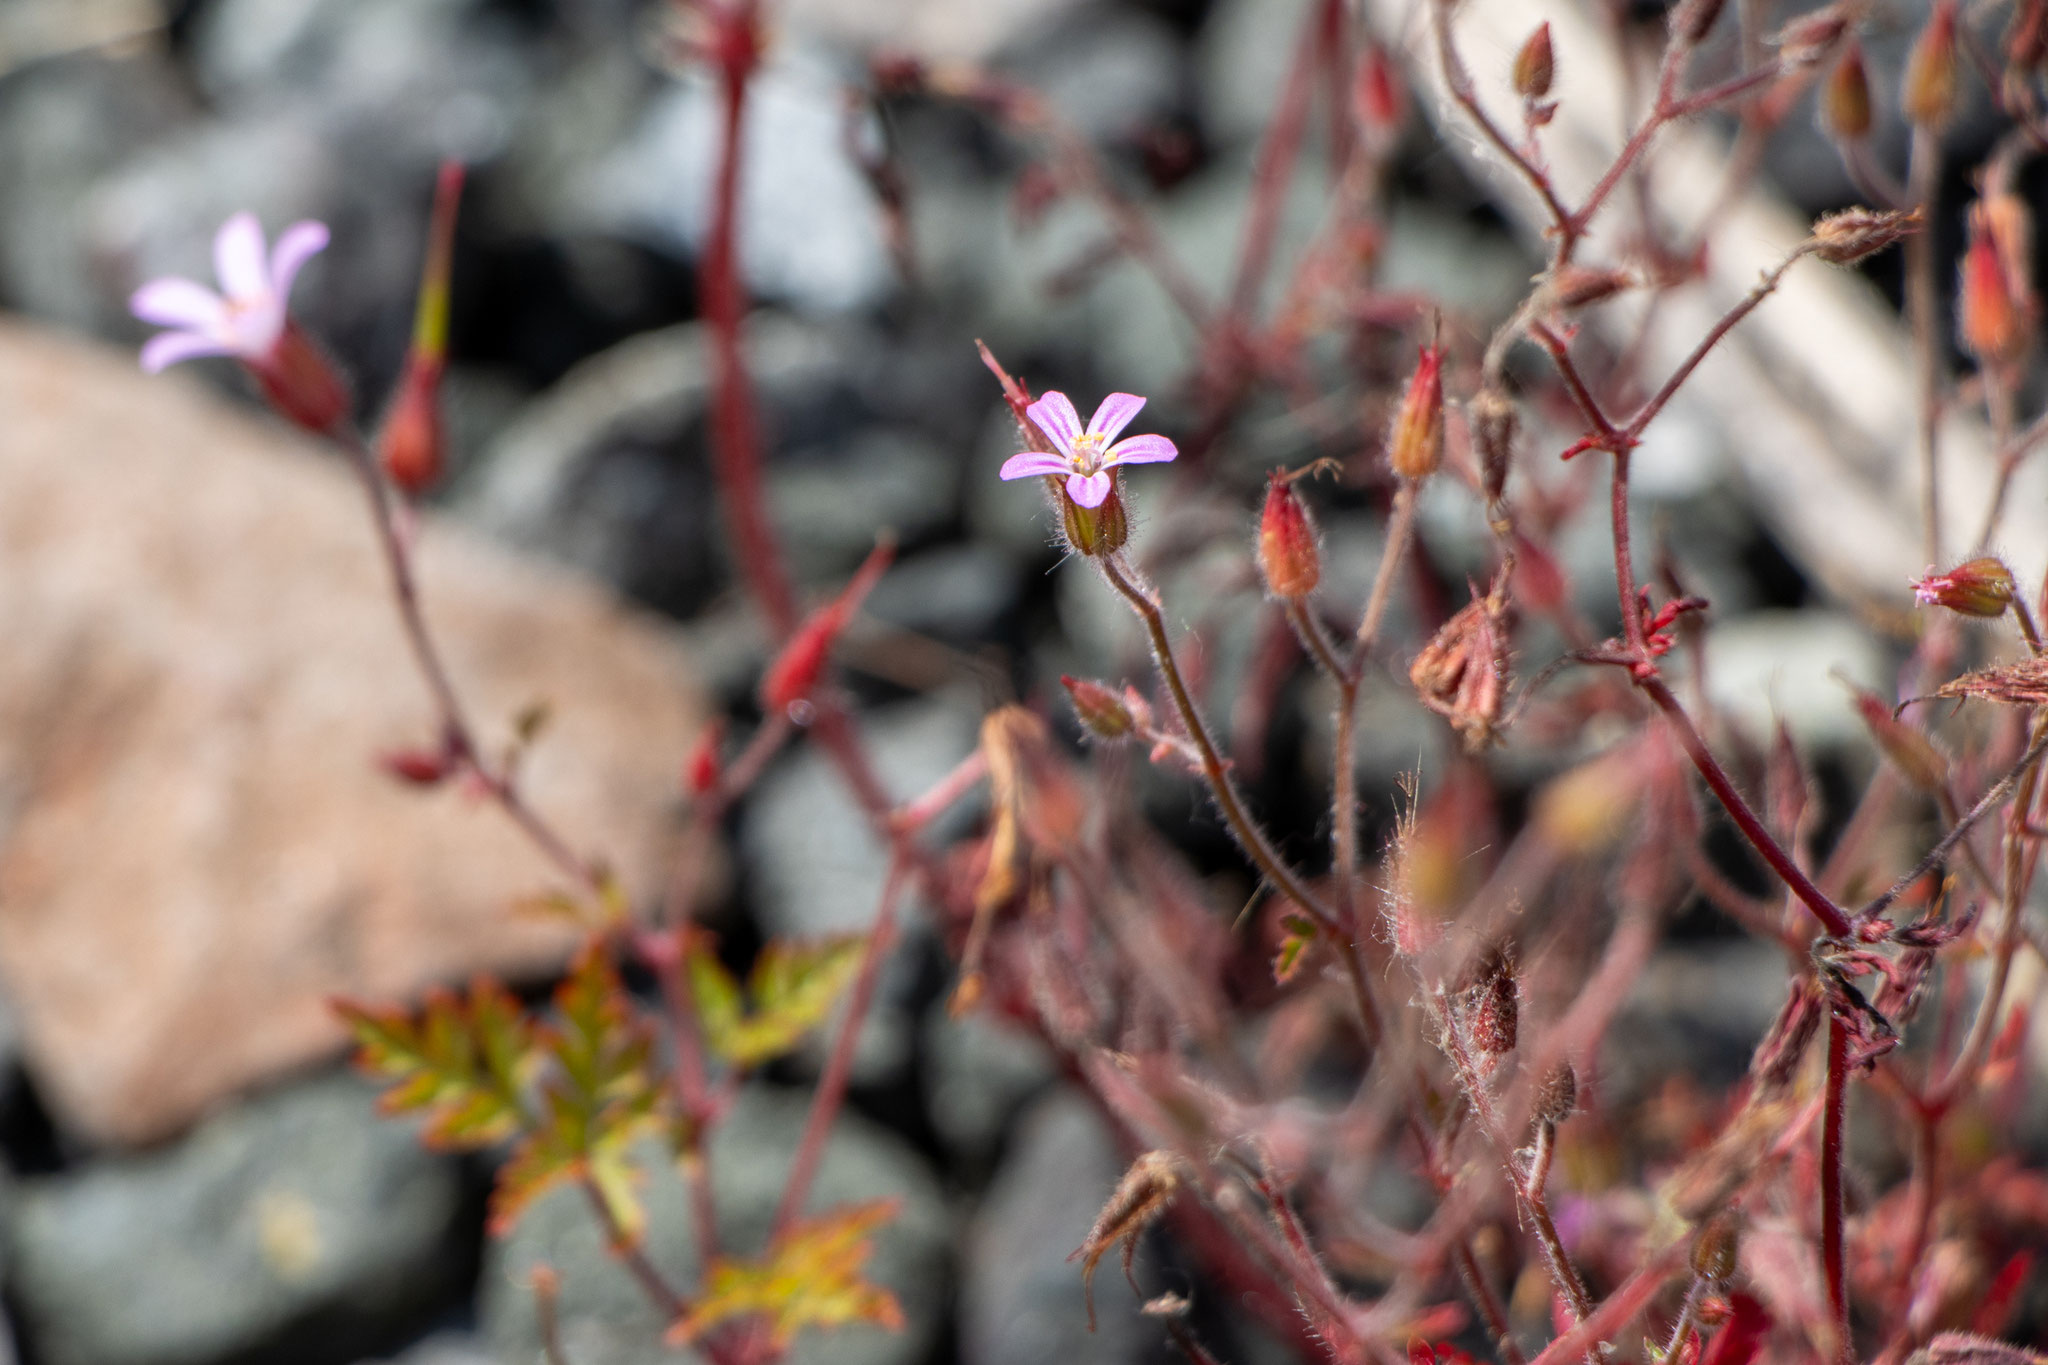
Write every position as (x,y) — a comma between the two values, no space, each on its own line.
(1086,457)
(1982,587)
(247,319)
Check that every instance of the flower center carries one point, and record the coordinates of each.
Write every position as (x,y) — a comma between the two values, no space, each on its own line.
(1088,452)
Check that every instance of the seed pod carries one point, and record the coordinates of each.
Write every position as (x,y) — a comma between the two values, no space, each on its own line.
(1416,446)
(1845,99)
(1933,81)
(1535,65)
(1992,306)
(1101,712)
(1491,1005)
(1494,422)
(1288,557)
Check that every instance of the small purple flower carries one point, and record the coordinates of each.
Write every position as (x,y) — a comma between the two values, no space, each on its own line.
(1086,457)
(247,318)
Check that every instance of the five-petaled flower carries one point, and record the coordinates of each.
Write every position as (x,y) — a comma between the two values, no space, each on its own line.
(1086,457)
(248,319)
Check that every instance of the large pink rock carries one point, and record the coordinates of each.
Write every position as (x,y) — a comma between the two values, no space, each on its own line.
(199,660)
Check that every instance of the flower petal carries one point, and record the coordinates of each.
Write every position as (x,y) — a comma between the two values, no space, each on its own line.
(1056,417)
(296,245)
(238,258)
(168,348)
(1140,450)
(1029,462)
(1114,414)
(173,302)
(1089,490)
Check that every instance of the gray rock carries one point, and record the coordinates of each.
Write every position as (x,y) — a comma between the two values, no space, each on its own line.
(979,1071)
(1242,57)
(958,592)
(605,1319)
(1698,1009)
(1020,1297)
(299,1222)
(834,500)
(64,124)
(811,233)
(816,868)
(447,1348)
(1110,71)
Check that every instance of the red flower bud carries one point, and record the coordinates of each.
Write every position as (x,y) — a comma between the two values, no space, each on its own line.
(419,767)
(1933,82)
(1845,99)
(1535,64)
(705,767)
(1101,712)
(300,382)
(794,674)
(1377,96)
(1288,556)
(1994,303)
(1417,444)
(1982,587)
(412,441)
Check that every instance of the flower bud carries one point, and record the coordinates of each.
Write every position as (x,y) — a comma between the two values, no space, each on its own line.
(300,382)
(412,441)
(1101,712)
(1416,446)
(1492,1005)
(1715,1247)
(1535,64)
(1845,99)
(1288,556)
(1847,237)
(1093,531)
(1933,82)
(1558,1097)
(1992,305)
(1494,423)
(1982,587)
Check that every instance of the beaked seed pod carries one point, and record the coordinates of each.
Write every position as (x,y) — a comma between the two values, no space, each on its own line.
(1535,64)
(1288,557)
(1845,99)
(1416,446)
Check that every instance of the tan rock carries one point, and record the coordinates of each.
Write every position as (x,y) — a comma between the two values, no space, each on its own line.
(199,661)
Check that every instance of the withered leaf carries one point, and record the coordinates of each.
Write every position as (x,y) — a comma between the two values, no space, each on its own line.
(2022,684)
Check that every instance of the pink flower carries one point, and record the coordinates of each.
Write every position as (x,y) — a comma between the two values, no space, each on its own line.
(1086,457)
(247,319)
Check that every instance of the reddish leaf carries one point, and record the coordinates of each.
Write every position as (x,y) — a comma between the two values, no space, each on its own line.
(810,1277)
(460,1061)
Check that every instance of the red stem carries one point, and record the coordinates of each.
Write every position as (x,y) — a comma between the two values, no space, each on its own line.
(1832,1267)
(831,1092)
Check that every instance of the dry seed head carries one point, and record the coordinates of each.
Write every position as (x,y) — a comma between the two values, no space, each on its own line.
(1535,64)
(1140,1197)
(1288,557)
(1845,99)
(1933,79)
(1847,237)
(1462,673)
(1416,446)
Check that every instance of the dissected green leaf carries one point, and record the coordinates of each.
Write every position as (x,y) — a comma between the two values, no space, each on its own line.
(790,992)
(811,1277)
(1301,932)
(598,1094)
(460,1061)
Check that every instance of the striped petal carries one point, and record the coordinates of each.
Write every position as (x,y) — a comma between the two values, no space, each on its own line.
(1056,417)
(1089,490)
(1114,414)
(1140,450)
(1026,463)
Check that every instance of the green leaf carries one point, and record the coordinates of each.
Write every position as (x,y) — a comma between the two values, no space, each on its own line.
(599,1094)
(461,1061)
(811,1277)
(793,988)
(1301,932)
